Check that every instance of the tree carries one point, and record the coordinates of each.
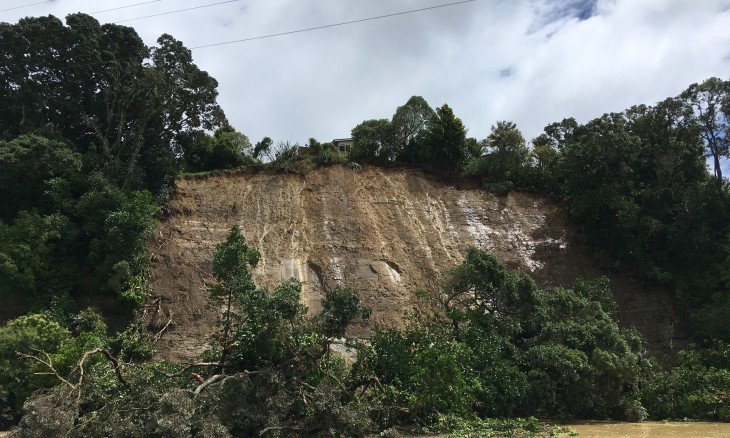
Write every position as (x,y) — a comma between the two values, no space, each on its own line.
(543,153)
(373,141)
(33,172)
(231,263)
(27,334)
(508,348)
(509,154)
(636,185)
(709,100)
(697,387)
(558,134)
(227,148)
(35,267)
(409,123)
(90,84)
(447,140)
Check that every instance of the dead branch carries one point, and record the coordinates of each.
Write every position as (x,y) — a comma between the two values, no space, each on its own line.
(198,377)
(341,385)
(207,274)
(154,253)
(158,335)
(213,379)
(48,363)
(374,381)
(218,378)
(273,428)
(113,360)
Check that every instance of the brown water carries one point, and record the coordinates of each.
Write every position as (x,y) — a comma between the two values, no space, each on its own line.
(650,429)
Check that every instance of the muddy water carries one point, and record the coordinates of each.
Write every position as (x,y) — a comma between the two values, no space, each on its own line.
(650,429)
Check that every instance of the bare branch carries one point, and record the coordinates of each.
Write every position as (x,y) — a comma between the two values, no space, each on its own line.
(213,379)
(114,361)
(158,335)
(273,428)
(48,363)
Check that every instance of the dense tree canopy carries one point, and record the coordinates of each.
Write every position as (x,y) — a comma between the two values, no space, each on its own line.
(410,121)
(93,126)
(121,104)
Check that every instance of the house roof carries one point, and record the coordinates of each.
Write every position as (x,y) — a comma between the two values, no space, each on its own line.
(341,139)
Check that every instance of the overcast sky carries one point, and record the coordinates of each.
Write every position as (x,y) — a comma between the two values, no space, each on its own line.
(529,61)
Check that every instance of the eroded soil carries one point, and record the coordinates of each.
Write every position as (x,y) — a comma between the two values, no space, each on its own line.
(383,232)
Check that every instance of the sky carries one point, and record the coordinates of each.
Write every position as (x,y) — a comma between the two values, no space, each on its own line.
(532,62)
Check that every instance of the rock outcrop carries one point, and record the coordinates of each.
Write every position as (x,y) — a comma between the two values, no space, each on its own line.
(383,232)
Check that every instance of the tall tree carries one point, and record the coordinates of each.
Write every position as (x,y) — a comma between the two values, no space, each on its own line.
(447,139)
(105,92)
(709,100)
(560,133)
(508,150)
(410,122)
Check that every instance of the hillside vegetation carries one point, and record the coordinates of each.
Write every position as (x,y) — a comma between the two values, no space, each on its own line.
(94,129)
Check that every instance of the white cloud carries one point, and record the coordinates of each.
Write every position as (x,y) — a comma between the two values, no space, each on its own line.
(531,61)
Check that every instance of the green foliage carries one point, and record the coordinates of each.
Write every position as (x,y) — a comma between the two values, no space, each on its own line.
(697,387)
(32,257)
(489,427)
(501,348)
(409,125)
(285,158)
(636,185)
(262,147)
(326,153)
(34,173)
(339,307)
(136,292)
(356,167)
(118,225)
(132,343)
(91,107)
(373,142)
(446,140)
(86,154)
(504,161)
(27,334)
(270,329)
(508,150)
(275,369)
(226,149)
(151,405)
(582,363)
(28,341)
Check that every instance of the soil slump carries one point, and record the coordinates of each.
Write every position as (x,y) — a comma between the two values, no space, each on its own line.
(383,232)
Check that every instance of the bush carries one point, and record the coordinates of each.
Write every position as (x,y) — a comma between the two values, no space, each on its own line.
(497,346)
(698,387)
(133,343)
(29,334)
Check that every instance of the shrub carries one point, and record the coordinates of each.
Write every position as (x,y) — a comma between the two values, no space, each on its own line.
(698,387)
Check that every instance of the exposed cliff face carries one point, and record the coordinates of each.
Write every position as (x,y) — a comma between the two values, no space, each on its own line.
(382,232)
